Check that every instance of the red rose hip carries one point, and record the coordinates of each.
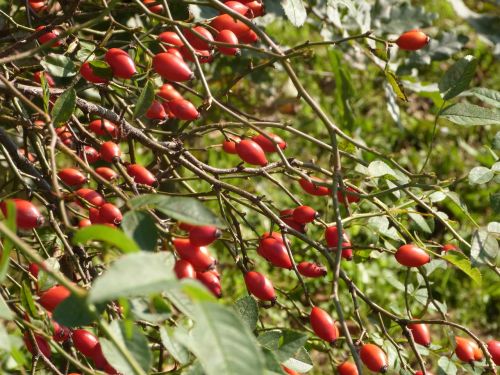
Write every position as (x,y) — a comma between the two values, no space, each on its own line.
(323,325)
(203,235)
(120,62)
(374,358)
(412,256)
(250,152)
(412,40)
(260,286)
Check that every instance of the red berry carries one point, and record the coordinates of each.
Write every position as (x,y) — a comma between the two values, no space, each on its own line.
(34,269)
(323,325)
(107,173)
(43,345)
(229,145)
(211,280)
(313,189)
(287,217)
(309,269)
(183,109)
(275,235)
(204,56)
(172,38)
(85,342)
(27,215)
(197,256)
(185,226)
(226,22)
(494,350)
(420,333)
(304,214)
(171,67)
(421,373)
(268,145)
(195,41)
(120,62)
(91,154)
(72,176)
(351,198)
(448,247)
(141,175)
(110,151)
(248,37)
(157,8)
(48,36)
(347,368)
(260,286)
(38,6)
(203,235)
(156,111)
(52,297)
(94,215)
(227,36)
(412,256)
(104,127)
(237,7)
(175,52)
(256,9)
(331,236)
(275,252)
(91,196)
(87,72)
(168,92)
(60,333)
(38,78)
(464,350)
(84,223)
(250,152)
(373,357)
(183,269)
(109,213)
(412,40)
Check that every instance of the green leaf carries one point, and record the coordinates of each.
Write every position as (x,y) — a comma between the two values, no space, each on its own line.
(272,363)
(59,66)
(64,107)
(5,312)
(301,362)
(101,69)
(45,280)
(5,344)
(131,336)
(73,312)
(470,114)
(185,209)
(45,92)
(141,227)
(196,291)
(396,84)
(480,175)
(222,342)
(248,310)
(461,262)
(457,78)
(174,348)
(10,222)
(27,299)
(484,247)
(106,234)
(379,168)
(134,275)
(446,367)
(420,222)
(489,96)
(145,100)
(295,11)
(283,343)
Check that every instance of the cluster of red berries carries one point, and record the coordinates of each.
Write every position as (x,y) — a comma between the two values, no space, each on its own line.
(253,151)
(195,261)
(83,340)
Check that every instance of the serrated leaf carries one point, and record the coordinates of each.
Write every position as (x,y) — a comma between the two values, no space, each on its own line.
(248,310)
(461,262)
(489,96)
(64,107)
(134,275)
(295,11)
(301,362)
(457,78)
(480,175)
(222,342)
(185,209)
(446,366)
(106,234)
(145,100)
(470,114)
(396,85)
(484,247)
(59,66)
(141,227)
(420,221)
(73,312)
(283,343)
